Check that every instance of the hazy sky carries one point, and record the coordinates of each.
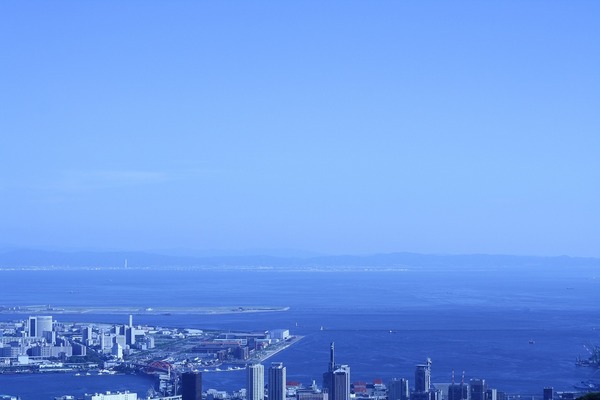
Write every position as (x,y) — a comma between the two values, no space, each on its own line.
(327,126)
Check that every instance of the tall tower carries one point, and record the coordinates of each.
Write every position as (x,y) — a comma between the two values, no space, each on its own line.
(332,357)
(328,376)
(255,382)
(277,381)
(191,386)
(423,377)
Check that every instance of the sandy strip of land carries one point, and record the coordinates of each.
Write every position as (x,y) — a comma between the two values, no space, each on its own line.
(45,309)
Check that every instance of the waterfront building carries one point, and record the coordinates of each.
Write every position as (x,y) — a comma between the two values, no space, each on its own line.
(548,393)
(191,386)
(51,351)
(398,389)
(477,389)
(111,396)
(279,334)
(13,350)
(255,382)
(423,377)
(277,381)
(491,394)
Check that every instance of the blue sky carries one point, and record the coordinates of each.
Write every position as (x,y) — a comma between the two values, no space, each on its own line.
(334,127)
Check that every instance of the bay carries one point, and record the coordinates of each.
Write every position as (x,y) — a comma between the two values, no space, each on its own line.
(383,321)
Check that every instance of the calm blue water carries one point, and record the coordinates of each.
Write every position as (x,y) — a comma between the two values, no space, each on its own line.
(477,321)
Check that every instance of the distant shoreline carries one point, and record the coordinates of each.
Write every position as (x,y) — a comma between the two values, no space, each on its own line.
(44,309)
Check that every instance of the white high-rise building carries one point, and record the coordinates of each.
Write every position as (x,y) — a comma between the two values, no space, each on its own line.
(255,382)
(36,326)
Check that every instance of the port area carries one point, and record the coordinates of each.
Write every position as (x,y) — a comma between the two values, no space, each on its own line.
(209,352)
(100,348)
(148,310)
(267,353)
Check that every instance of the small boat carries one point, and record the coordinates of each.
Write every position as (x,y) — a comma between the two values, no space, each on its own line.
(531,341)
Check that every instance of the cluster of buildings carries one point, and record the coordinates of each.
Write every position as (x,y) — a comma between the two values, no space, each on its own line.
(239,346)
(119,340)
(271,384)
(475,389)
(40,337)
(337,386)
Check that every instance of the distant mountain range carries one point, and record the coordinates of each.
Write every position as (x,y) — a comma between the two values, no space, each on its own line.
(116,259)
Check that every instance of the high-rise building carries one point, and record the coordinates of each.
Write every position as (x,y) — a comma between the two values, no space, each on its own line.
(36,326)
(277,381)
(255,382)
(423,377)
(336,381)
(191,386)
(340,387)
(477,389)
(398,389)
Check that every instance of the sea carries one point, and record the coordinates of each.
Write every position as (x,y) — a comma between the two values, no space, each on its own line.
(521,329)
